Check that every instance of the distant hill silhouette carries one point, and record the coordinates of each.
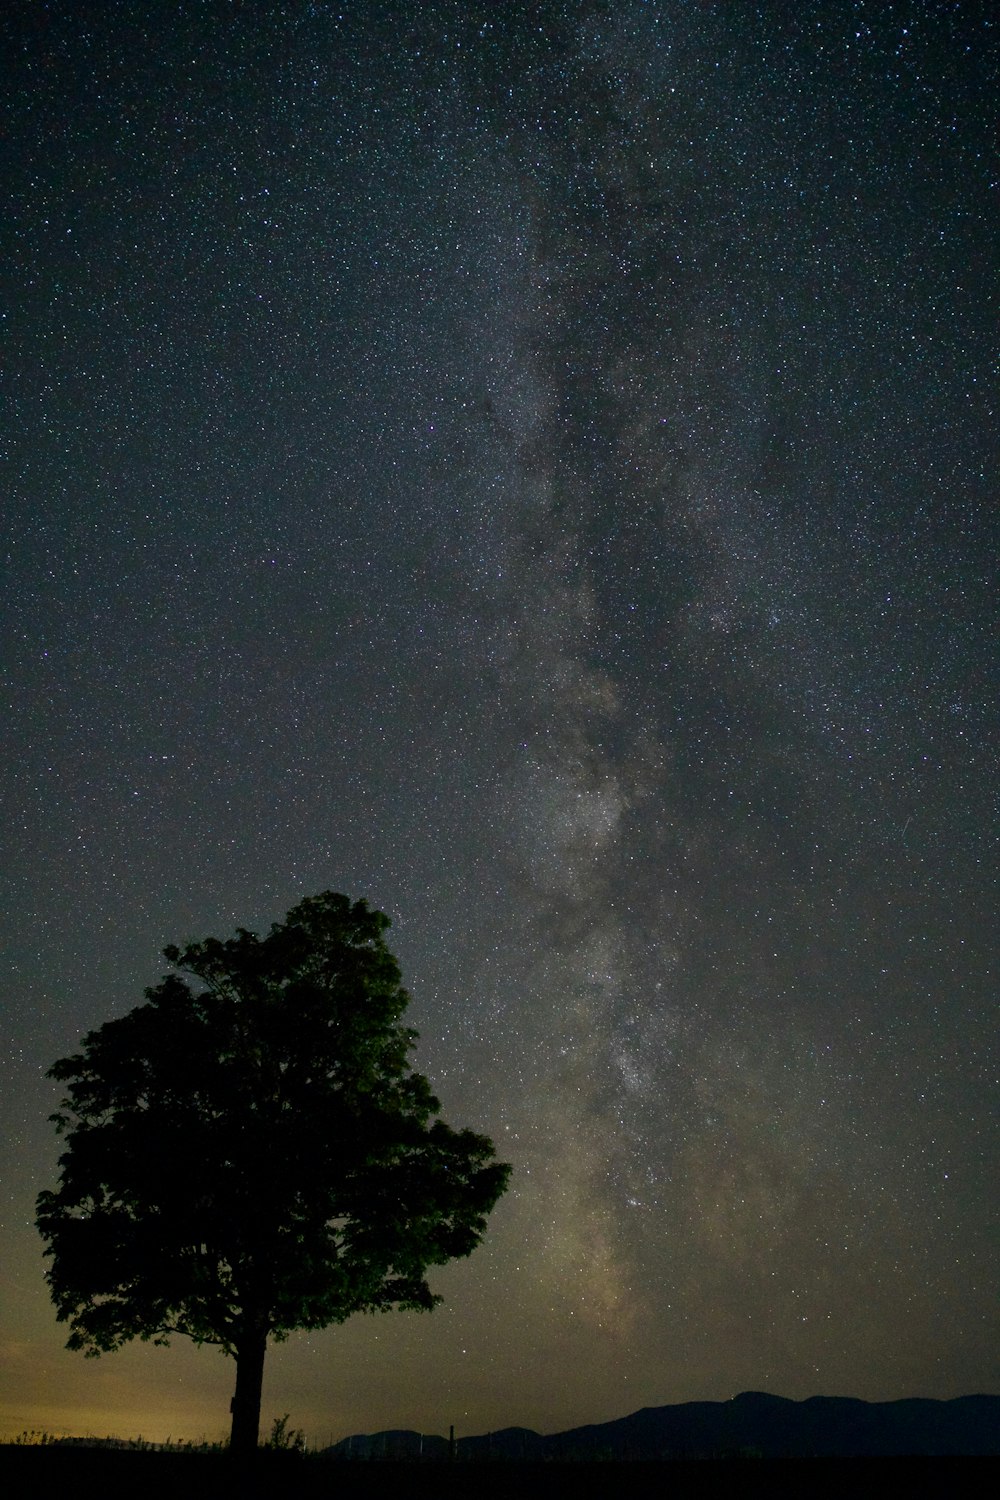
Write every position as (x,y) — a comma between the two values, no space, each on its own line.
(752,1424)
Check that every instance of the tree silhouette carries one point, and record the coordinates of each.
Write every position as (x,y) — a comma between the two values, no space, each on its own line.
(256,1155)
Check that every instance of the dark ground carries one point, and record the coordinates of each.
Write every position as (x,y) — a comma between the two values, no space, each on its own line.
(71,1472)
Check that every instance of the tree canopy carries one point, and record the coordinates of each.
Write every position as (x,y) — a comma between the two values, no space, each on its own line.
(254,1154)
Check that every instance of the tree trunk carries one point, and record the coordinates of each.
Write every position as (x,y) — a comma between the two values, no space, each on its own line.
(246,1401)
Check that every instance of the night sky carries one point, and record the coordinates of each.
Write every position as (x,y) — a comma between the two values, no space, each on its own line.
(532,466)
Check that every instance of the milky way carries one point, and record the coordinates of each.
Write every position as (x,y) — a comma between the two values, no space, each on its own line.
(532,467)
(719,756)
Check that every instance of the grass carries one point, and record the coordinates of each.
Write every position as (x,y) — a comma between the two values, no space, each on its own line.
(32,1465)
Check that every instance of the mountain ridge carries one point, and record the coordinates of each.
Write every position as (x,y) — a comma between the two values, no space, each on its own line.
(753,1423)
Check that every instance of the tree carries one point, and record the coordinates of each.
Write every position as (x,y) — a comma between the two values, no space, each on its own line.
(255,1155)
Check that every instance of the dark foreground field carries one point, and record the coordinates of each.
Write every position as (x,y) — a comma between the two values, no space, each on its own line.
(73,1472)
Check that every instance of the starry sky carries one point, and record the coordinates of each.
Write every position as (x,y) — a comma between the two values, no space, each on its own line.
(531,465)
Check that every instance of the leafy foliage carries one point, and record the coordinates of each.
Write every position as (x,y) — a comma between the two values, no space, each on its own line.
(254,1155)
(285,1439)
